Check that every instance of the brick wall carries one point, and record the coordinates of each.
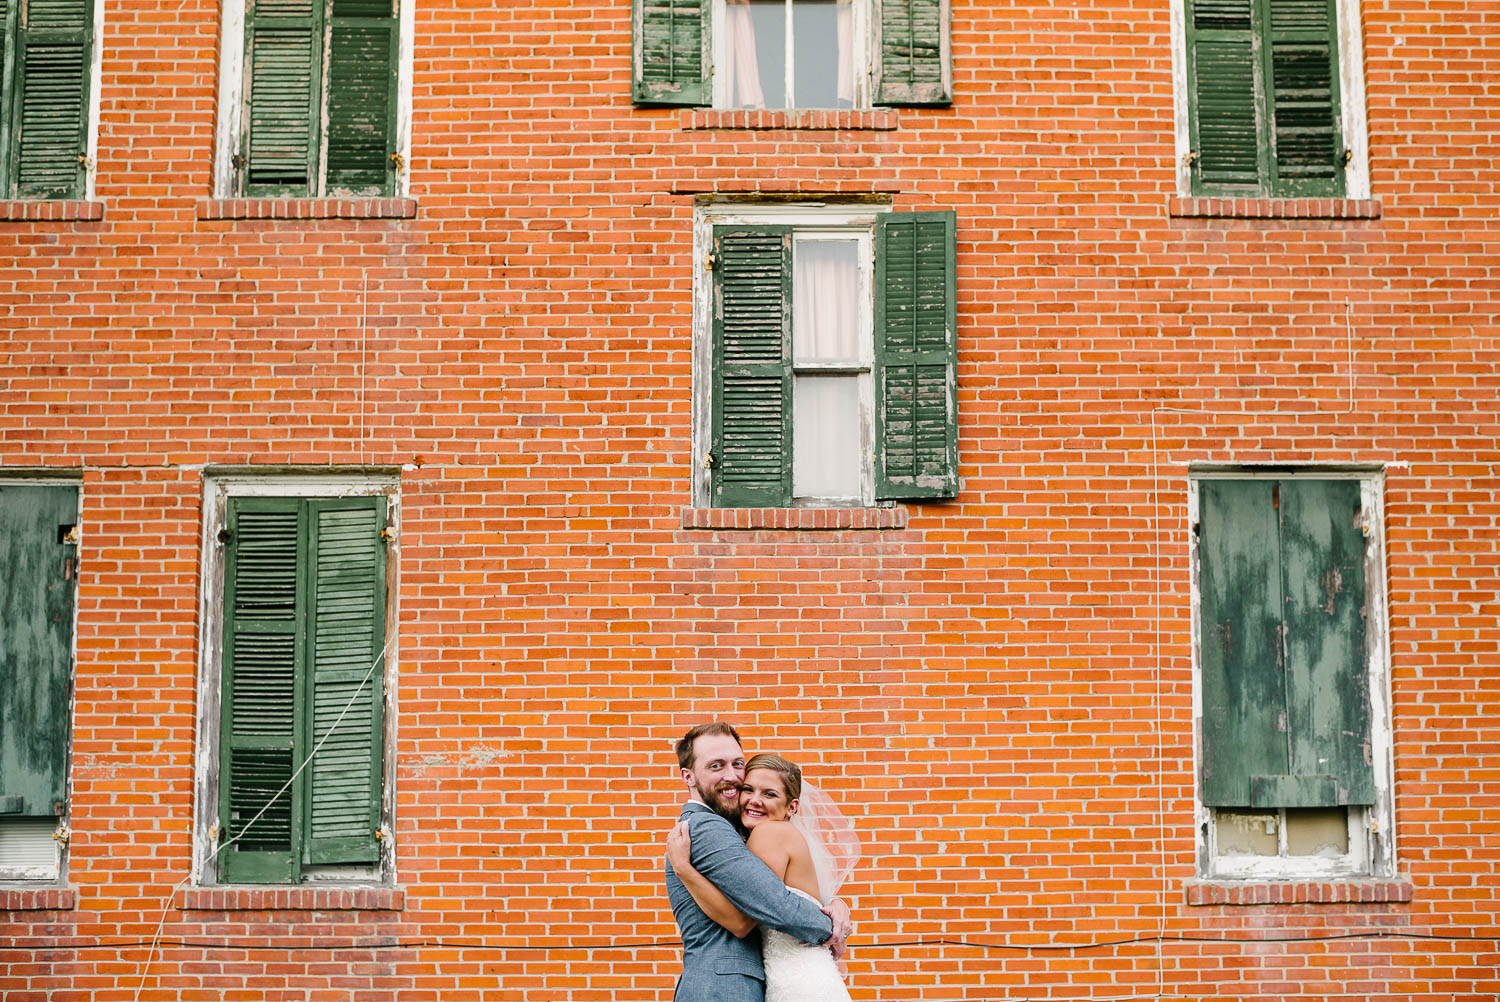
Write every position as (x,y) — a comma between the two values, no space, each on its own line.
(999,688)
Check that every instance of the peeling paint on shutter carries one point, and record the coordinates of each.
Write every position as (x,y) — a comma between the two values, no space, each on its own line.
(283,63)
(1222,86)
(916,353)
(672,56)
(363,39)
(913,63)
(53,49)
(752,393)
(1305,98)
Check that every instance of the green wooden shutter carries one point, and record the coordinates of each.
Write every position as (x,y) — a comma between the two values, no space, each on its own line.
(752,388)
(51,81)
(916,355)
(260,741)
(1303,66)
(9,20)
(1327,681)
(363,39)
(1239,586)
(283,67)
(672,52)
(38,582)
(913,63)
(1224,92)
(346,581)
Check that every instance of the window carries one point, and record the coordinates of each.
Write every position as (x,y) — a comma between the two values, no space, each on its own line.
(1293,722)
(792,53)
(314,92)
(47,51)
(38,588)
(1274,98)
(300,647)
(829,342)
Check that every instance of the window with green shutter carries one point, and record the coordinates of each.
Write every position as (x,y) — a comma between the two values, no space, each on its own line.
(320,98)
(832,360)
(792,53)
(302,694)
(1263,95)
(46,47)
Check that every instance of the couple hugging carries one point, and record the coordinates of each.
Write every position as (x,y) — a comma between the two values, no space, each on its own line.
(783,879)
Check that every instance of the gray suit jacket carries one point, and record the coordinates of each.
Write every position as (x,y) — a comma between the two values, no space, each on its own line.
(716,966)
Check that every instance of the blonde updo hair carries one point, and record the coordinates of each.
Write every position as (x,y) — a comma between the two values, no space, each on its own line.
(791,776)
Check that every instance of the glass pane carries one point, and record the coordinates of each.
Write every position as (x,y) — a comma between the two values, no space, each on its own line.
(822,43)
(1317,831)
(826,437)
(27,849)
(825,301)
(1246,833)
(755,42)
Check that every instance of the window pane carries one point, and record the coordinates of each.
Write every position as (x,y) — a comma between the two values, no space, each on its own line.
(27,849)
(1246,833)
(826,440)
(756,52)
(822,41)
(1317,831)
(825,301)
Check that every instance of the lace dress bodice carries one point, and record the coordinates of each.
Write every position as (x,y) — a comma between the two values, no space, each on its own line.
(798,971)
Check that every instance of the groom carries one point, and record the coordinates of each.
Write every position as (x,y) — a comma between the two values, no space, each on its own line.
(716,965)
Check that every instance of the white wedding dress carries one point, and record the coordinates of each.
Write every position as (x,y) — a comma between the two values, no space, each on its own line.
(798,971)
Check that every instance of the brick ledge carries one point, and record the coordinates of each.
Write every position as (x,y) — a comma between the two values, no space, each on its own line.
(19,210)
(1273,208)
(794,518)
(37,899)
(870,120)
(307,208)
(301,898)
(1298,892)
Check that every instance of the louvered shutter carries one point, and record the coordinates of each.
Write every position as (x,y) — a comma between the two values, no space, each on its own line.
(914,61)
(363,38)
(260,741)
(752,388)
(672,57)
(916,354)
(346,648)
(51,82)
(283,62)
(1224,95)
(1303,68)
(38,582)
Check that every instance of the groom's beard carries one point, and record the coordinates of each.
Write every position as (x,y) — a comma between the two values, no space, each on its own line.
(710,797)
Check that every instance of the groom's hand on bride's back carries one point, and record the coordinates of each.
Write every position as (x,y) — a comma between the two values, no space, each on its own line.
(843,925)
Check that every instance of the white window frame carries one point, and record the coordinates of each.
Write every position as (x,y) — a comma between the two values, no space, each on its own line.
(1353,121)
(218,488)
(811,220)
(228,130)
(864,42)
(1372,830)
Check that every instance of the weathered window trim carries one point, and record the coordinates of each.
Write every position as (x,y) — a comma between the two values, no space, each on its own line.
(1372,831)
(227,133)
(1354,120)
(832,218)
(218,486)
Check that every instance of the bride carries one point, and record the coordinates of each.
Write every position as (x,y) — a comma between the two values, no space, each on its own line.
(797,831)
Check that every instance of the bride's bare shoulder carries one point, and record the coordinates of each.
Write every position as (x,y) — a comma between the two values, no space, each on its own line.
(782,834)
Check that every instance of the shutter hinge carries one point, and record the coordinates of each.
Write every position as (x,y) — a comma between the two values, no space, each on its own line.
(399,161)
(1348,158)
(213,833)
(388,534)
(237,161)
(62,834)
(381,834)
(73,536)
(1189,158)
(708,460)
(712,261)
(85,161)
(225,536)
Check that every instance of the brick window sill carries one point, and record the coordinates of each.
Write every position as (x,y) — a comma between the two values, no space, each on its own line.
(794,518)
(58,210)
(1298,892)
(37,899)
(1273,208)
(300,898)
(873,120)
(307,208)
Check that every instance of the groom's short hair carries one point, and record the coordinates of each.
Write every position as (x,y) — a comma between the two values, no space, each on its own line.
(685,746)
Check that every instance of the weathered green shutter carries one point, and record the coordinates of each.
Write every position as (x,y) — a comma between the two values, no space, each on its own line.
(283,64)
(38,582)
(672,52)
(1303,69)
(752,387)
(363,37)
(9,21)
(914,62)
(261,742)
(51,85)
(1286,703)
(916,355)
(1223,89)
(346,647)
(1328,691)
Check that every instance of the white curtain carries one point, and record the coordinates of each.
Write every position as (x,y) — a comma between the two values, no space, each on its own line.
(825,301)
(846,50)
(744,69)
